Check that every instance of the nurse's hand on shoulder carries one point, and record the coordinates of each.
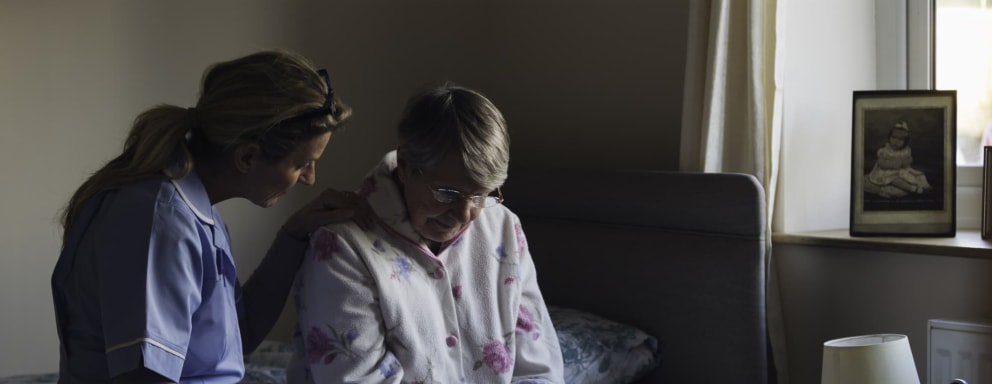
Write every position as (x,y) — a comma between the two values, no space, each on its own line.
(331,206)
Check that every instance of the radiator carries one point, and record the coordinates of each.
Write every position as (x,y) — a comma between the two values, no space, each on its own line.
(959,351)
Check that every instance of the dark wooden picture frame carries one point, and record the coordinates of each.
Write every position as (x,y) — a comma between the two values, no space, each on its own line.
(987,192)
(903,163)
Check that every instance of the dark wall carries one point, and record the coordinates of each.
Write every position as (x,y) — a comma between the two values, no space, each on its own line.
(582,83)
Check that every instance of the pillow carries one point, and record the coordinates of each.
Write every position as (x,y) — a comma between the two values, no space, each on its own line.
(597,350)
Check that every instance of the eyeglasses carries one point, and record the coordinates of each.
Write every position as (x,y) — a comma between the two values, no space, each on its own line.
(450,196)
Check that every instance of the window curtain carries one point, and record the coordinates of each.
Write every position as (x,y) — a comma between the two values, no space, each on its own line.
(732,112)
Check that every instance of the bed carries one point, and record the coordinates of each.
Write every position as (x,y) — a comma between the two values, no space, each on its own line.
(651,277)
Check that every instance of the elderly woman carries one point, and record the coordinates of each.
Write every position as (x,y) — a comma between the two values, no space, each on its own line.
(444,289)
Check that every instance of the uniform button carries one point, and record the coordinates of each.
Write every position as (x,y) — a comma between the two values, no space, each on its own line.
(439,273)
(451,341)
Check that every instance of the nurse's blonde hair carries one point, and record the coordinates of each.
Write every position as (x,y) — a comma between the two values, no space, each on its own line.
(274,99)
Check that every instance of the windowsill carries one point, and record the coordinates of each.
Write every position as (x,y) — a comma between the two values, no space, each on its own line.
(967,243)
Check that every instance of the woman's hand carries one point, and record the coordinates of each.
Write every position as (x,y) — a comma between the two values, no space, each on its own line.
(331,206)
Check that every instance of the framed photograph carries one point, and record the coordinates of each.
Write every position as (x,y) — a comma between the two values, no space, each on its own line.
(987,193)
(903,163)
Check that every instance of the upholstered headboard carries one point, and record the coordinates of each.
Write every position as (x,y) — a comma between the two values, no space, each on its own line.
(679,255)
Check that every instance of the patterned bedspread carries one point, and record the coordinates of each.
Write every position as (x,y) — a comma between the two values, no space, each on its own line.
(595,350)
(25,379)
(253,375)
(264,366)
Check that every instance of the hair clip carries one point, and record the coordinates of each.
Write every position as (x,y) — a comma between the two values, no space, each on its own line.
(327,108)
(329,100)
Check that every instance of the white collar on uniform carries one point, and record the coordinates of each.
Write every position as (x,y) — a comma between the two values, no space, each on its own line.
(193,192)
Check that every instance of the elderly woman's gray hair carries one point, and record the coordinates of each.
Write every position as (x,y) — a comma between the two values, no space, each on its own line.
(453,118)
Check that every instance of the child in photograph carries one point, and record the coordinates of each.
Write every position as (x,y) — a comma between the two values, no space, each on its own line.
(893,174)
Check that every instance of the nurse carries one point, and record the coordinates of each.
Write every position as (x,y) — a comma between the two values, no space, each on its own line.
(145,288)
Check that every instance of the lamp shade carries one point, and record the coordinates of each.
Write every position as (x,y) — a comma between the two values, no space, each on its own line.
(869,359)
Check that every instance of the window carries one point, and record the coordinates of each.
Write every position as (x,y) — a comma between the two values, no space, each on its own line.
(963,62)
(946,48)
(931,44)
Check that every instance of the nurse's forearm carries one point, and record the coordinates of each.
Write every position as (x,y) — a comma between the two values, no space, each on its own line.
(264,295)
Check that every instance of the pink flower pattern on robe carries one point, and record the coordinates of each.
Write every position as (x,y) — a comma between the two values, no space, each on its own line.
(525,320)
(496,356)
(325,245)
(324,348)
(526,324)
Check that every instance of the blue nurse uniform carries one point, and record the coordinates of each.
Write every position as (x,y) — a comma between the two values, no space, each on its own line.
(146,279)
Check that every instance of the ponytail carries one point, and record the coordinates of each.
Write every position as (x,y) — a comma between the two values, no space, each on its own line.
(156,138)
